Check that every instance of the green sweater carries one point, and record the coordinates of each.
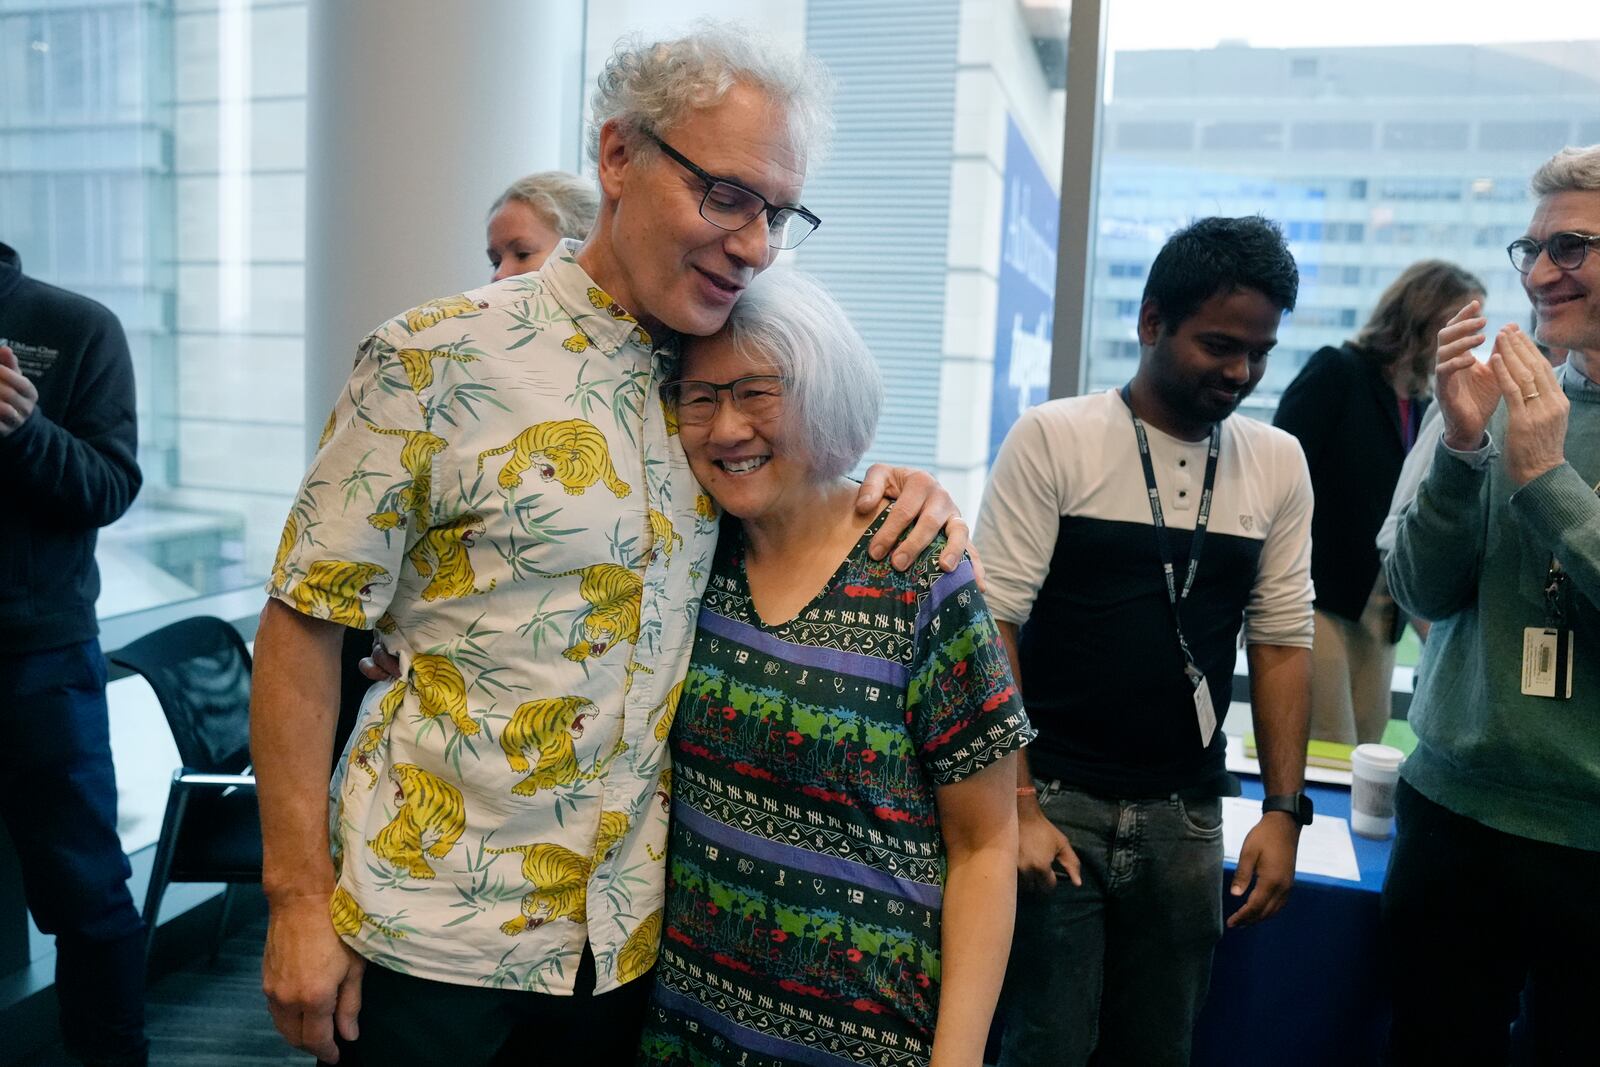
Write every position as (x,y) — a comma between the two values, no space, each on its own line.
(1471,553)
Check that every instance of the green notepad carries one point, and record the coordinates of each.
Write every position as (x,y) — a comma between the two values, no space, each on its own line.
(1331,754)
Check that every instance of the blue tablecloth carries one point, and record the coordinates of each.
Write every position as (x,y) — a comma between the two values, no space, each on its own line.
(1307,987)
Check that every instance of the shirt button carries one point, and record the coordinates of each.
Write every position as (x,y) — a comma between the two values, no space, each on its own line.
(1183,492)
(483,303)
(1183,463)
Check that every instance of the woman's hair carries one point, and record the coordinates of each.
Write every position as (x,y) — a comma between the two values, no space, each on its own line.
(649,86)
(1403,330)
(569,203)
(833,391)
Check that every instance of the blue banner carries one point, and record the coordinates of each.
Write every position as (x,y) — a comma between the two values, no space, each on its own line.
(1025,310)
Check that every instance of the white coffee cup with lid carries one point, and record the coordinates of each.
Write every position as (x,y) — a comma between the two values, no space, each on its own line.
(1374,770)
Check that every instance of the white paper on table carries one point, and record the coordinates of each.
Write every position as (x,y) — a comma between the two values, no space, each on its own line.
(1325,845)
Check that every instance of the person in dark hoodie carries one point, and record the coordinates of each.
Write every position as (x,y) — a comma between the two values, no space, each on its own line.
(67,468)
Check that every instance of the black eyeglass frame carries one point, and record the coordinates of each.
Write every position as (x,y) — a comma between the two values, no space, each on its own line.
(1543,247)
(771,210)
(717,389)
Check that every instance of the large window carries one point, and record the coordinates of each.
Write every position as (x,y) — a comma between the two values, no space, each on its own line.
(152,157)
(1373,140)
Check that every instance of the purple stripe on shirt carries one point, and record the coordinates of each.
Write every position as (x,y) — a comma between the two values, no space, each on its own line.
(859,874)
(743,1036)
(852,663)
(943,587)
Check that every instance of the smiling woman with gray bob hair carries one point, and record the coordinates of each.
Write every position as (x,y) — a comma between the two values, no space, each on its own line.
(833,391)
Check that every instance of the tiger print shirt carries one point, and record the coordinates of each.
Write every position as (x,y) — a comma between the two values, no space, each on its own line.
(501,493)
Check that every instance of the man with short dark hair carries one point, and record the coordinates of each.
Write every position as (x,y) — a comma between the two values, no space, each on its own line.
(1492,886)
(67,468)
(1133,532)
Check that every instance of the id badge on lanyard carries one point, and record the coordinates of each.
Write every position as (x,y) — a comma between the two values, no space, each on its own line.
(1547,650)
(1205,714)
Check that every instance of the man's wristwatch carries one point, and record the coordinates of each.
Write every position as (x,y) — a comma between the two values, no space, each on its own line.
(1297,805)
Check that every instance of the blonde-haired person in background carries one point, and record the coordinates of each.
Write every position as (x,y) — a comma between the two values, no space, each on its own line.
(533,215)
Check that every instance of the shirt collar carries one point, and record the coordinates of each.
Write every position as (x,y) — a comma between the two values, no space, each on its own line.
(606,323)
(1573,382)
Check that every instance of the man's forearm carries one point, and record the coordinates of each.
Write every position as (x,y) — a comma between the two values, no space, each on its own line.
(294,706)
(1280,705)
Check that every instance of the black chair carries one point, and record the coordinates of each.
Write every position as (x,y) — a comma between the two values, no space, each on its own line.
(211,832)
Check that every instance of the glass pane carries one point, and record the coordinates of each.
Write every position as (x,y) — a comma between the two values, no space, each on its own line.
(1343,133)
(188,222)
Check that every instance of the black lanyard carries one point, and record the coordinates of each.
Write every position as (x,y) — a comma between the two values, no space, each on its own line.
(1201,521)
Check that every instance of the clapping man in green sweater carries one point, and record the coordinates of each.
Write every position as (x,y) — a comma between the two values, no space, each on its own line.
(1490,901)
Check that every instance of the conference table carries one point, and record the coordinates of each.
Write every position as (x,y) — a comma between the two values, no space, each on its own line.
(1307,987)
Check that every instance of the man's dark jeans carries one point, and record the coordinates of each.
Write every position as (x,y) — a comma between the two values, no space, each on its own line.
(59,800)
(1479,923)
(1115,972)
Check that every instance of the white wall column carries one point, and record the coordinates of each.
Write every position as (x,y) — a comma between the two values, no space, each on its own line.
(419,114)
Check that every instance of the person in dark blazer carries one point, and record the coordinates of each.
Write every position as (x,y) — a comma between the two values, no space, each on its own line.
(1355,409)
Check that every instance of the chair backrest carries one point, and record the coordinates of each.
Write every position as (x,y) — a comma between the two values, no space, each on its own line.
(200,671)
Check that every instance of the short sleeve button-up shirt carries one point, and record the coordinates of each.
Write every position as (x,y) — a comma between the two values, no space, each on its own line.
(501,493)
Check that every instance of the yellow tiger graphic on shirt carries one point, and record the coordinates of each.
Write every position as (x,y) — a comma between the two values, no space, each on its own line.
(441,690)
(667,709)
(418,365)
(416,456)
(613,828)
(430,820)
(336,589)
(705,508)
(327,429)
(442,555)
(560,879)
(638,953)
(662,535)
(369,740)
(572,452)
(434,312)
(614,594)
(664,788)
(669,414)
(286,540)
(349,918)
(547,728)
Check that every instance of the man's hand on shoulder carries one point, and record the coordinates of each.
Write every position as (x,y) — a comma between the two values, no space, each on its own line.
(1267,857)
(17,394)
(922,500)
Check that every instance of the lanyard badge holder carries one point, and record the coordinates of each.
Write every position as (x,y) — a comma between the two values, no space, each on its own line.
(1205,713)
(1547,650)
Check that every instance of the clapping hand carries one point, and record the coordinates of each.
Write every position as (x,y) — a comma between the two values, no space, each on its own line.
(1468,391)
(1536,407)
(17,394)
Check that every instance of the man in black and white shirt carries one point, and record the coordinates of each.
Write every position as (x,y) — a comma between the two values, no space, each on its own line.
(1095,510)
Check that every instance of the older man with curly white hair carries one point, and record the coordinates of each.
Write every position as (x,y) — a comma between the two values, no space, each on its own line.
(501,494)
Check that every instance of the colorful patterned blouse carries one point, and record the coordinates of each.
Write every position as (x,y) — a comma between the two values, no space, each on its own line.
(499,492)
(805,869)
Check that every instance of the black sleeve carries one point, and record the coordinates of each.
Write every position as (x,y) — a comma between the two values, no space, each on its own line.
(83,469)
(1311,406)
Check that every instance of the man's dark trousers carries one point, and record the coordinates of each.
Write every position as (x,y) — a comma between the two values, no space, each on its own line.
(59,802)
